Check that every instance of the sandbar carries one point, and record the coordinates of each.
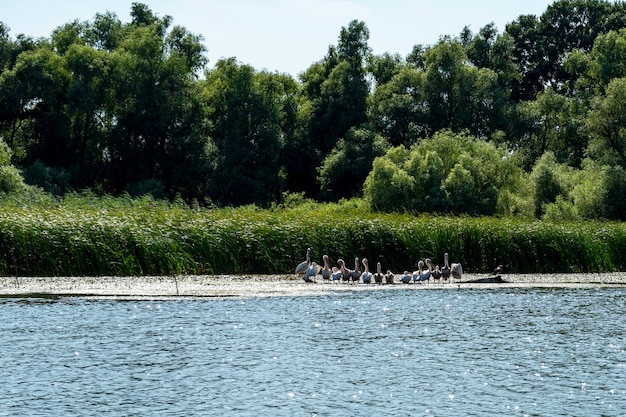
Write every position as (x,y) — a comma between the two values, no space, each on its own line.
(247,286)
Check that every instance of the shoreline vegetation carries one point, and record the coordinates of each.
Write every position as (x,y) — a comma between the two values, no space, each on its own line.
(242,286)
(83,235)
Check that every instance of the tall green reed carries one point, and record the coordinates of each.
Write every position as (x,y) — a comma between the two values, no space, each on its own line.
(86,235)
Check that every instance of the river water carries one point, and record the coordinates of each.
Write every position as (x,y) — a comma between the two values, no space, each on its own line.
(526,352)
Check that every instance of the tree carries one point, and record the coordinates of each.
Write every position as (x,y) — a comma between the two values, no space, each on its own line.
(344,170)
(10,178)
(384,67)
(606,124)
(334,93)
(388,187)
(552,123)
(245,125)
(542,44)
(546,183)
(33,95)
(461,96)
(447,172)
(399,108)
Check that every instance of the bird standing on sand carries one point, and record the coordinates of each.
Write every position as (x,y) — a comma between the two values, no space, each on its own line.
(336,274)
(311,272)
(326,271)
(302,266)
(499,270)
(389,277)
(366,276)
(378,276)
(435,272)
(344,272)
(355,274)
(421,275)
(445,269)
(456,269)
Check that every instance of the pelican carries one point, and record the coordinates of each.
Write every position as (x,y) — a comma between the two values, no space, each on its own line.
(420,274)
(311,272)
(389,277)
(378,276)
(302,266)
(435,272)
(336,274)
(366,276)
(326,271)
(445,269)
(457,270)
(344,272)
(356,273)
(406,277)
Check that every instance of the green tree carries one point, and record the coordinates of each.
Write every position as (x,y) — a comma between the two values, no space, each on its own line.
(245,125)
(552,122)
(542,44)
(461,96)
(606,124)
(388,187)
(448,172)
(546,183)
(10,178)
(33,96)
(344,170)
(399,109)
(334,93)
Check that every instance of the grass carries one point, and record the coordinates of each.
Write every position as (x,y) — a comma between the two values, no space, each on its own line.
(85,235)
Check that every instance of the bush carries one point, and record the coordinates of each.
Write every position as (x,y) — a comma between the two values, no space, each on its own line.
(10,179)
(448,172)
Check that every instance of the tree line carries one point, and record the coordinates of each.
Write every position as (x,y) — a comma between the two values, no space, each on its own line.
(529,121)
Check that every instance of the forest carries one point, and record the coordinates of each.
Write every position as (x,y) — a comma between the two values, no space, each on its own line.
(528,122)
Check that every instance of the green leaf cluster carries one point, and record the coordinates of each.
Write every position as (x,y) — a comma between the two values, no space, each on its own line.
(523,122)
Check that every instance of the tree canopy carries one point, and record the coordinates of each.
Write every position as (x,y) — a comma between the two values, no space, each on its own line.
(515,122)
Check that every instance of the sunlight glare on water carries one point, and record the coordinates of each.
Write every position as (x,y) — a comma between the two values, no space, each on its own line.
(557,352)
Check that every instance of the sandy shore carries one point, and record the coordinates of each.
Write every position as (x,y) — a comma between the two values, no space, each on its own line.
(228,286)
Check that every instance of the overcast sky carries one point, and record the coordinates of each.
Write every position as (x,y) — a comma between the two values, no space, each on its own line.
(284,35)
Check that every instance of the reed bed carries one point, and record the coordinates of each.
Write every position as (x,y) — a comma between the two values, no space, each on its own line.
(94,237)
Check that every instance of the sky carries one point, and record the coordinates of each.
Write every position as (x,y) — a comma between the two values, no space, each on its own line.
(284,36)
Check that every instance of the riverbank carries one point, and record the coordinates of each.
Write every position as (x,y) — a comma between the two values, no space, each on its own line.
(229,286)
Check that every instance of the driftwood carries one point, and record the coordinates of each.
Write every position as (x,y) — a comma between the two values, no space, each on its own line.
(487,280)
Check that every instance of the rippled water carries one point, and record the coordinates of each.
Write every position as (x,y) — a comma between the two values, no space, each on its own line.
(558,352)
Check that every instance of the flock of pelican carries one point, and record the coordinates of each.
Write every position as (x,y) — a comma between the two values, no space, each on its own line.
(425,271)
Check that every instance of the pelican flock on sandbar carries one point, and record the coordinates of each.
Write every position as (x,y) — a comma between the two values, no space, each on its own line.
(426,271)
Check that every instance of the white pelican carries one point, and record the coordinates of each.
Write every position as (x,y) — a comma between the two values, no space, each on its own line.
(457,270)
(435,272)
(389,277)
(302,266)
(378,276)
(420,274)
(336,274)
(406,277)
(311,272)
(355,274)
(344,272)
(445,269)
(326,271)
(366,276)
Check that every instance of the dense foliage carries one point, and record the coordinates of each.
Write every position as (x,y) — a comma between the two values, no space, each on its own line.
(526,122)
(90,236)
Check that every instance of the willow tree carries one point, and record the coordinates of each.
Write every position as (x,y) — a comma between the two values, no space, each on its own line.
(335,92)
(245,127)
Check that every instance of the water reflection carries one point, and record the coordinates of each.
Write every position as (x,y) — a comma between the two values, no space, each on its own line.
(482,352)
